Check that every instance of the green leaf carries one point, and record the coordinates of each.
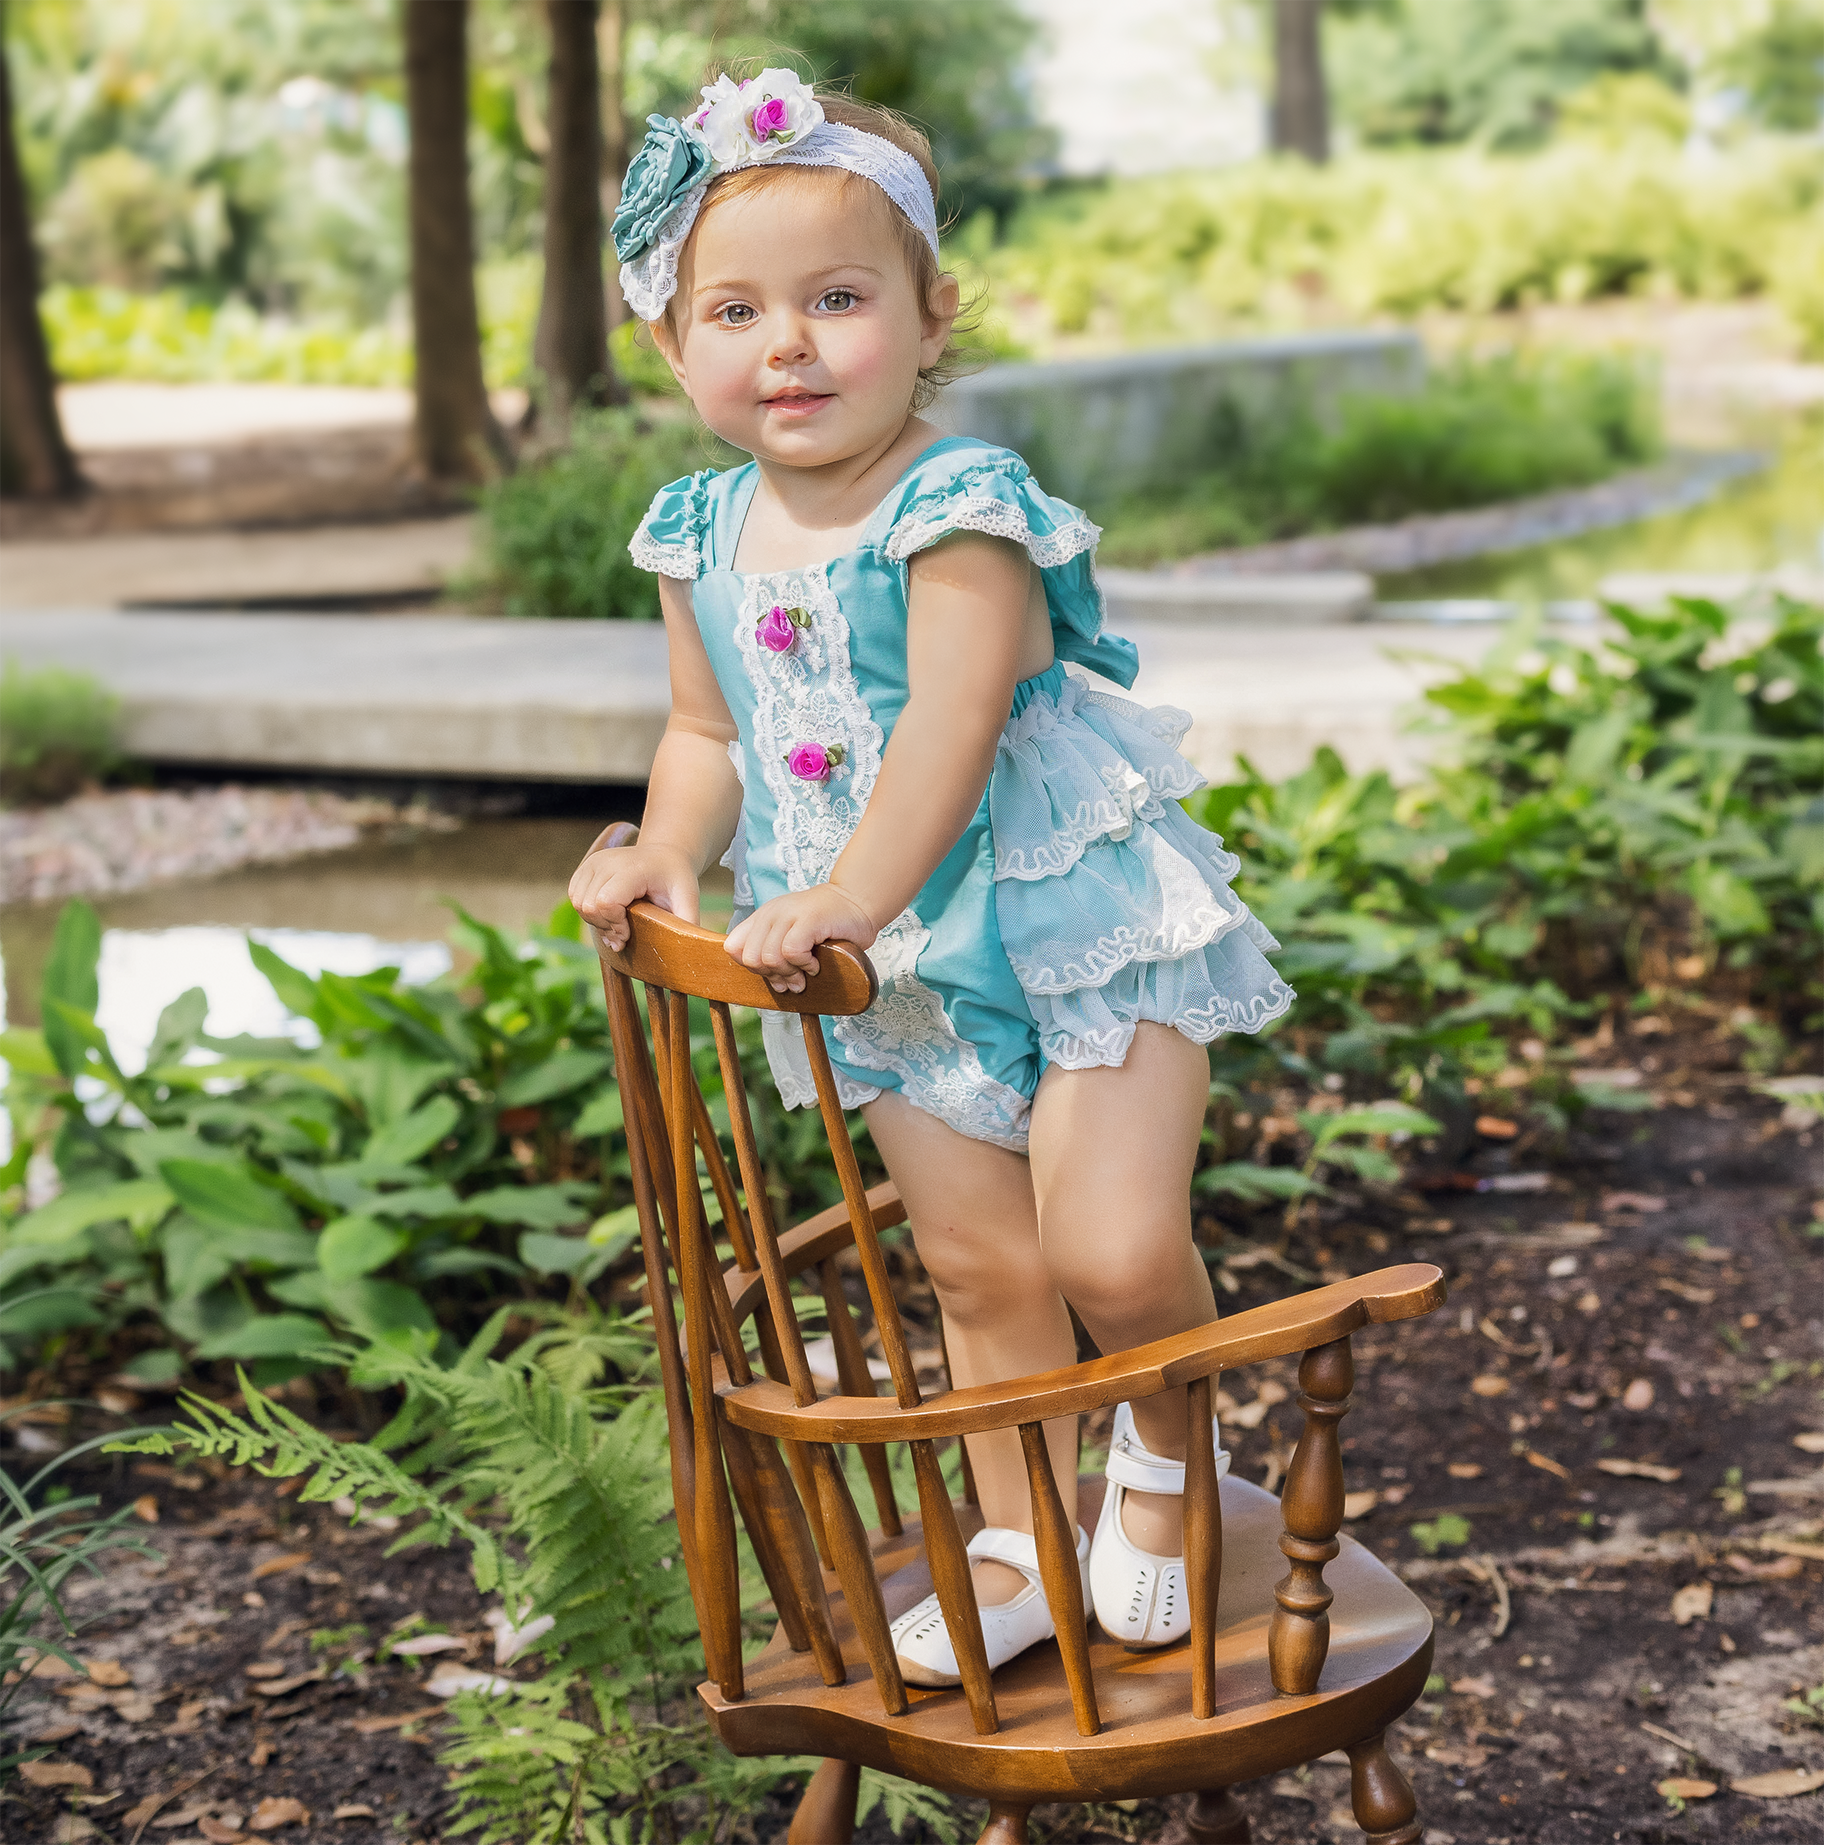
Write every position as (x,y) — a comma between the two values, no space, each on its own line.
(31,1316)
(159,1366)
(1378,1118)
(26,1051)
(601,1113)
(556,1075)
(537,1207)
(297,991)
(1728,903)
(267,1335)
(1448,1529)
(193,1262)
(1256,1184)
(70,1031)
(227,1197)
(377,1308)
(412,1136)
(179,1026)
(141,1202)
(413,1201)
(71,979)
(561,1255)
(356,1246)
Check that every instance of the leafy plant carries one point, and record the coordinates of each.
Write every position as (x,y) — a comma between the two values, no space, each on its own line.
(41,1545)
(58,733)
(553,537)
(1480,430)
(1448,1531)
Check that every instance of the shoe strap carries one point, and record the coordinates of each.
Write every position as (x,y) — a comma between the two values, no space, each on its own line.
(1131,1463)
(1018,1550)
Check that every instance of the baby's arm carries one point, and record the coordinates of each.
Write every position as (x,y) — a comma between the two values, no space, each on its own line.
(693,797)
(967,604)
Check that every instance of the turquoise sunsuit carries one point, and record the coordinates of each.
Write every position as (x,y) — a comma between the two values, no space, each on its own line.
(1080,899)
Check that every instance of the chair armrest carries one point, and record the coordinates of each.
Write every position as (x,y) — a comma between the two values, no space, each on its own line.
(806,1244)
(1274,1331)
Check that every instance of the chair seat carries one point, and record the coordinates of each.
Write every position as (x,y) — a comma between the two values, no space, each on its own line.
(1149,1744)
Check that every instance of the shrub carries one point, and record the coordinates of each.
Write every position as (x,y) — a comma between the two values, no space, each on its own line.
(57,733)
(1480,431)
(553,537)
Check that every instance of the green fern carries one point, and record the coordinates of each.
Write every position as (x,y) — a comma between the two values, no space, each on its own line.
(905,1803)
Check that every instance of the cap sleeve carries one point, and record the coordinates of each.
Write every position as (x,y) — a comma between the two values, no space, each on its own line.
(670,539)
(992,490)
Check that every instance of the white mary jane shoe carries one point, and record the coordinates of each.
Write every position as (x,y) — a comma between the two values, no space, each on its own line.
(922,1639)
(1140,1599)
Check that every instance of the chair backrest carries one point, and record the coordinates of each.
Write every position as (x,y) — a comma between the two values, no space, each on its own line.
(798,1512)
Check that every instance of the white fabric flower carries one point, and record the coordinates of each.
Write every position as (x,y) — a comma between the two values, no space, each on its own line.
(744,122)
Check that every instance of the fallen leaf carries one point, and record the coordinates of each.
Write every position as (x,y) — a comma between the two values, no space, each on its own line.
(1692,1603)
(1489,1384)
(73,1829)
(1638,1395)
(218,1831)
(1393,1495)
(510,1641)
(133,1707)
(1271,1392)
(429,1643)
(374,1726)
(324,1579)
(1809,1441)
(354,1810)
(1496,1127)
(48,1665)
(262,1751)
(1359,1505)
(280,1687)
(1546,1464)
(56,1732)
(1782,1784)
(1698,1297)
(1465,1470)
(278,1810)
(1483,1687)
(446,1681)
(136,1817)
(1639,1470)
(56,1774)
(108,1672)
(276,1566)
(266,1668)
(1457,1755)
(1792,1547)
(1781,1569)
(1249,1415)
(145,1509)
(1631,1201)
(179,1816)
(1678,1788)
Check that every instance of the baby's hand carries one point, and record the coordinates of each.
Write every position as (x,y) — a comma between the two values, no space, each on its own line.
(778,939)
(605,883)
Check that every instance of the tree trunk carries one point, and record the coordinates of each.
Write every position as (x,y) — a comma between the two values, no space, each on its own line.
(609,36)
(457,435)
(35,460)
(571,347)
(1301,104)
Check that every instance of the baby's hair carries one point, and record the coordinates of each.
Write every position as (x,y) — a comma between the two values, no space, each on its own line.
(959,355)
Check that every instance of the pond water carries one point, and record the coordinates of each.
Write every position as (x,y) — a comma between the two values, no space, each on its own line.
(1765,521)
(381,903)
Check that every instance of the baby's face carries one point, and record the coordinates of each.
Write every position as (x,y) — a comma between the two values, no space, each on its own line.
(797,333)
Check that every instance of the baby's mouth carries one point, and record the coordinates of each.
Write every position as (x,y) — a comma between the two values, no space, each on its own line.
(798,402)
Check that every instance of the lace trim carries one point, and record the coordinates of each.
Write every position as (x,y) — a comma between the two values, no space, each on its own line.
(651,281)
(908,1032)
(1108,1049)
(1187,930)
(735,858)
(790,1063)
(998,519)
(664,560)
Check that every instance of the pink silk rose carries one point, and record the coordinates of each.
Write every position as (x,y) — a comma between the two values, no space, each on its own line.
(770,118)
(812,762)
(776,631)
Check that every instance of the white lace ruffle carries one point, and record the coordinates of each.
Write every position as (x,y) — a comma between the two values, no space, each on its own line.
(917,531)
(683,561)
(735,858)
(783,1039)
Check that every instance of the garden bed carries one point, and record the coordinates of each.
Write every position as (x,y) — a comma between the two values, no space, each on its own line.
(1557,1730)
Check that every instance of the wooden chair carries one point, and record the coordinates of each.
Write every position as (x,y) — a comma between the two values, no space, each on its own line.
(1274,1672)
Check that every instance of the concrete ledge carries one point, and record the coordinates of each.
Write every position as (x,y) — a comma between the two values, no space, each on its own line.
(1109,427)
(1321,596)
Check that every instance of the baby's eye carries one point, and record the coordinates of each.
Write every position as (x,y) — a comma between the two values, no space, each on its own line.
(736,314)
(837,300)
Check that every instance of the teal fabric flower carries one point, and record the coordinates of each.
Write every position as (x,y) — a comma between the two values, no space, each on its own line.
(670,161)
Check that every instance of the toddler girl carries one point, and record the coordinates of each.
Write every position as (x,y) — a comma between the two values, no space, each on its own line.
(868,624)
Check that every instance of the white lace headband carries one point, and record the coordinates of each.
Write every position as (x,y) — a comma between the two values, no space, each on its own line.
(771,118)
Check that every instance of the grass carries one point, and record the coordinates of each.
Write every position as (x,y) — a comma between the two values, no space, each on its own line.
(1481,431)
(58,734)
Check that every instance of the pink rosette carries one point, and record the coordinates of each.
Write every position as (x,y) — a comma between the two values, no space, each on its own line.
(776,631)
(813,762)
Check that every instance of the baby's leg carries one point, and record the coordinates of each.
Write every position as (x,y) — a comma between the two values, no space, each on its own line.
(977,1230)
(1112,1153)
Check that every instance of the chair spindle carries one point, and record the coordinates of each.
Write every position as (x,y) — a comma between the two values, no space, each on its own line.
(1202,1544)
(857,1381)
(1056,1536)
(1298,1636)
(948,1557)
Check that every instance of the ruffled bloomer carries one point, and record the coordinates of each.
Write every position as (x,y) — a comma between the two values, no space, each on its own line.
(1113,905)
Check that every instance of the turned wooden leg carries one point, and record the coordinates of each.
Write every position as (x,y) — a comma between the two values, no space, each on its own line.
(1218,1818)
(1006,1825)
(1298,1636)
(1381,1796)
(826,1809)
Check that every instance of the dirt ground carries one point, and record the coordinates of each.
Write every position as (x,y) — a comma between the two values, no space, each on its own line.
(1618,1405)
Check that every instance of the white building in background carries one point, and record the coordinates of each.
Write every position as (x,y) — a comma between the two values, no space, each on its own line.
(1147,86)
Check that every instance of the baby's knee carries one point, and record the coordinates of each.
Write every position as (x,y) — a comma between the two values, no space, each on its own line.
(1114,1283)
(978,1279)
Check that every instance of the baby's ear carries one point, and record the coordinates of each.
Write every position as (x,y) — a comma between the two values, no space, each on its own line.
(665,337)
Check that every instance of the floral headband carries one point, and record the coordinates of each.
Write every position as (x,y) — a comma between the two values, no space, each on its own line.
(770,118)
